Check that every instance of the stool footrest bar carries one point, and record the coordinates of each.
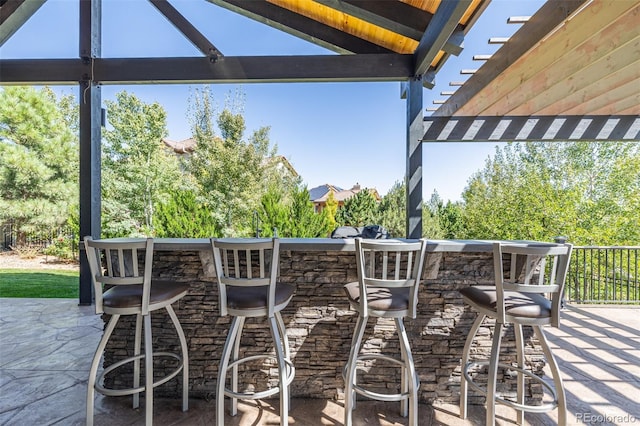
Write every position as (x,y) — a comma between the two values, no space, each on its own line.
(130,391)
(290,374)
(376,395)
(543,408)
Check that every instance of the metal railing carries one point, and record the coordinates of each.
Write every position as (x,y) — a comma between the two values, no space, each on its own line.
(56,241)
(604,275)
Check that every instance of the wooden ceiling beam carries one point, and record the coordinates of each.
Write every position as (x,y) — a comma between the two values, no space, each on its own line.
(596,80)
(444,23)
(232,69)
(395,16)
(187,29)
(578,92)
(632,109)
(300,26)
(612,103)
(13,14)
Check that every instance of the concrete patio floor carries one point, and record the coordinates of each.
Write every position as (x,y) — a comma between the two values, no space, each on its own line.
(46,347)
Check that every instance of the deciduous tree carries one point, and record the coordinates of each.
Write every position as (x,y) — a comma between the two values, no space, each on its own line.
(138,171)
(587,192)
(232,173)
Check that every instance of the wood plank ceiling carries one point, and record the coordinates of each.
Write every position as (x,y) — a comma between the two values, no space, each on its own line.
(587,65)
(572,72)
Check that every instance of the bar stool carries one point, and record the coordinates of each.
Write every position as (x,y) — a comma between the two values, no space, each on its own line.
(131,291)
(389,274)
(246,271)
(529,282)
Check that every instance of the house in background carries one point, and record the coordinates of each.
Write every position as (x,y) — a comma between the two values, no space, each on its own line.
(183,147)
(188,146)
(320,194)
(283,165)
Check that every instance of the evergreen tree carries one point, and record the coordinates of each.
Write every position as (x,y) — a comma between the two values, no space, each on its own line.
(294,217)
(181,216)
(38,160)
(305,222)
(274,213)
(358,210)
(331,207)
(393,210)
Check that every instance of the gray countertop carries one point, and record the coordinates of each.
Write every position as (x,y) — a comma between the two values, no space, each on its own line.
(333,244)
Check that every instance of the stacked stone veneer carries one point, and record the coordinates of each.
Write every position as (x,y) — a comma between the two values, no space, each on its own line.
(320,325)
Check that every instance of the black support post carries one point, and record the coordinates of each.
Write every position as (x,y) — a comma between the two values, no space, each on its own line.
(415,132)
(90,136)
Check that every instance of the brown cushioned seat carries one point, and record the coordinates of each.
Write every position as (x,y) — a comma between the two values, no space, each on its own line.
(388,299)
(257,297)
(389,274)
(130,296)
(526,305)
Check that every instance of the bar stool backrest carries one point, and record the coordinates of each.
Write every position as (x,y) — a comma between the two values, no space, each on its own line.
(389,264)
(246,262)
(531,268)
(122,262)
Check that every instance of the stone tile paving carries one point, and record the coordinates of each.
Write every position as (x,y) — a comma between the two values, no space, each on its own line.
(46,347)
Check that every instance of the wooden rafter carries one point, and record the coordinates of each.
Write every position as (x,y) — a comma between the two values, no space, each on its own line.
(575,57)
(394,16)
(13,14)
(301,26)
(550,15)
(187,29)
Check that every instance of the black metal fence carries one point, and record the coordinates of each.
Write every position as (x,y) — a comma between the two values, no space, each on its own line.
(604,275)
(61,242)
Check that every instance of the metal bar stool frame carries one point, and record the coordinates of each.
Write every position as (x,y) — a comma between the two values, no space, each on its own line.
(133,292)
(237,269)
(518,297)
(389,274)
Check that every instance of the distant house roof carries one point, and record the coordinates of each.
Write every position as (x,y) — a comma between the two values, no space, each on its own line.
(322,191)
(320,194)
(186,146)
(282,163)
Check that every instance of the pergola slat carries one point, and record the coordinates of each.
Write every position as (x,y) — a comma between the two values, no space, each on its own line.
(530,128)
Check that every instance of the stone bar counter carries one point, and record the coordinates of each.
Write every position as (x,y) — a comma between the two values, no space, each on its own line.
(320,324)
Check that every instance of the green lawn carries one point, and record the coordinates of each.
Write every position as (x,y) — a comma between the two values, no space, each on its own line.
(38,283)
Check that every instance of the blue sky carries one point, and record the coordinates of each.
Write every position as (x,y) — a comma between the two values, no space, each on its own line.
(337,133)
